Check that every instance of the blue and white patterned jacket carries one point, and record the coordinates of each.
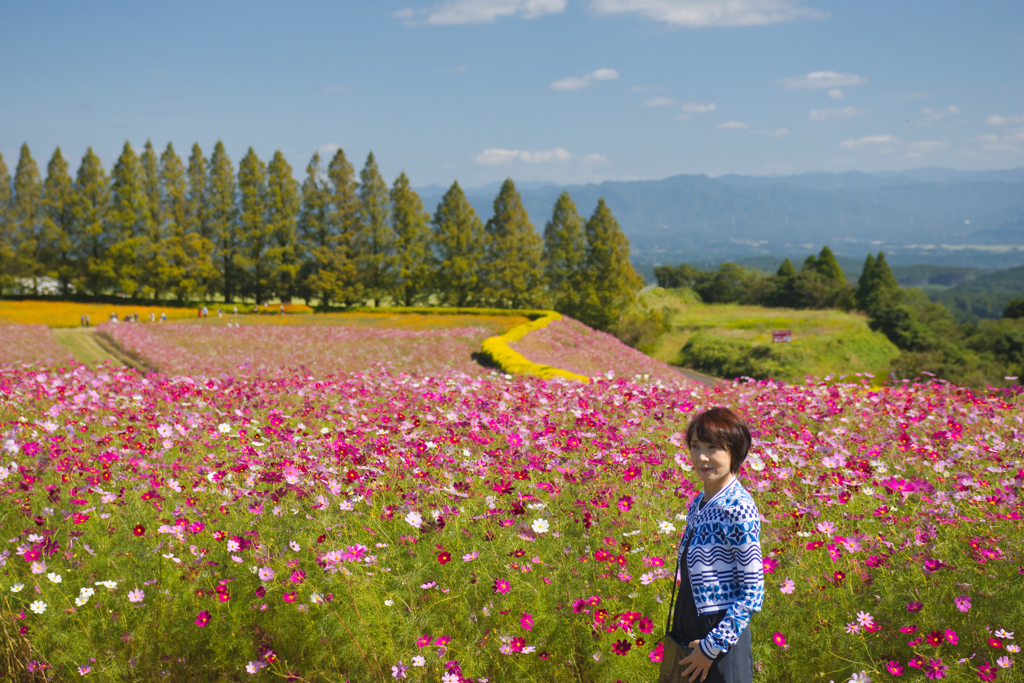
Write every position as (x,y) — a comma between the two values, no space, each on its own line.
(724,561)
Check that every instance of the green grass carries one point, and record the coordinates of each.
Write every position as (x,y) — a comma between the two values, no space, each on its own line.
(730,340)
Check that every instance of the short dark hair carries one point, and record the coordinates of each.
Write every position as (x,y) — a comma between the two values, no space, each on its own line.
(722,428)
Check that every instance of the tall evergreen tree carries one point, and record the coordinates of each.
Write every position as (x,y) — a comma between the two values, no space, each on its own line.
(153,257)
(27,211)
(187,256)
(128,221)
(282,212)
(613,283)
(200,244)
(374,240)
(565,257)
(7,254)
(337,275)
(828,266)
(314,235)
(90,207)
(58,234)
(866,282)
(459,242)
(254,237)
(877,288)
(222,220)
(411,225)
(786,269)
(513,263)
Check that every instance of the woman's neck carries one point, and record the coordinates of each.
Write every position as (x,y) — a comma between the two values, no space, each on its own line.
(711,489)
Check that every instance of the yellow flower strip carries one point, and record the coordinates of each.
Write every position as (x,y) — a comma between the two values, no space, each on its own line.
(511,361)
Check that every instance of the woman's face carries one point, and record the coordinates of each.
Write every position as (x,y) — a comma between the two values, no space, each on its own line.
(709,461)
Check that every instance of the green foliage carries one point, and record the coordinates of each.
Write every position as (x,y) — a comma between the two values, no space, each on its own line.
(186,255)
(459,240)
(58,235)
(565,257)
(374,240)
(612,283)
(221,217)
(252,258)
(26,207)
(91,203)
(828,266)
(512,268)
(786,270)
(128,219)
(411,225)
(640,327)
(282,205)
(985,296)
(7,238)
(1014,309)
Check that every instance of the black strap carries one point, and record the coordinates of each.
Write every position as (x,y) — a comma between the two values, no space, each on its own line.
(671,602)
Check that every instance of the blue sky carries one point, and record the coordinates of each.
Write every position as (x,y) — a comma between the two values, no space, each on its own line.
(570,91)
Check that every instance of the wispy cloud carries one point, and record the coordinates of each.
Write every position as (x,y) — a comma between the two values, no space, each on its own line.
(843,113)
(699,108)
(996,120)
(595,159)
(478,11)
(822,79)
(659,102)
(700,13)
(772,133)
(575,83)
(836,93)
(490,157)
(924,146)
(732,125)
(934,115)
(868,140)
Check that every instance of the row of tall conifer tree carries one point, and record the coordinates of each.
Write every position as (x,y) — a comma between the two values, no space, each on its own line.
(160,227)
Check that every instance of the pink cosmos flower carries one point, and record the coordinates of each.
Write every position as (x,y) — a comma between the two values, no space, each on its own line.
(914,606)
(298,576)
(963,603)
(895,668)
(935,669)
(502,586)
(788,586)
(657,653)
(202,619)
(1004,662)
(526,621)
(423,640)
(779,639)
(288,597)
(951,637)
(517,644)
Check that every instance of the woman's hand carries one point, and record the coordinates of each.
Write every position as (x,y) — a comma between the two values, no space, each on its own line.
(696,663)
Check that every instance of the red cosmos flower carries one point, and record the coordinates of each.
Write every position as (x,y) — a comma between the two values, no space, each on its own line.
(657,653)
(202,619)
(79,518)
(995,642)
(517,644)
(935,638)
(631,473)
(445,557)
(838,575)
(219,535)
(260,592)
(814,545)
(621,647)
(645,625)
(779,639)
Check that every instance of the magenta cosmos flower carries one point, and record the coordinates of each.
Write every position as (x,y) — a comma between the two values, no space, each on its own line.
(895,668)
(779,639)
(502,586)
(202,619)
(526,621)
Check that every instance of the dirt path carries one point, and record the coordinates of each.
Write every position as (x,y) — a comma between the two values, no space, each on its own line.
(90,348)
(695,376)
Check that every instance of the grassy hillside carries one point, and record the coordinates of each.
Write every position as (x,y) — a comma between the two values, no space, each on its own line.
(983,297)
(728,340)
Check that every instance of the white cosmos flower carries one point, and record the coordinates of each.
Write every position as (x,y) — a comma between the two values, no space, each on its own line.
(38,607)
(540,526)
(17,587)
(223,428)
(54,577)
(414,518)
(666,527)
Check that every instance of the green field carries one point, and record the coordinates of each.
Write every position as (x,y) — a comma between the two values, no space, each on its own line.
(729,340)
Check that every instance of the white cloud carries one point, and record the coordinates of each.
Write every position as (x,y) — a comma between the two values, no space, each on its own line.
(504,156)
(836,93)
(844,113)
(777,133)
(822,79)
(933,115)
(732,125)
(479,11)
(698,108)
(996,120)
(595,159)
(869,140)
(659,102)
(575,83)
(699,13)
(925,146)
(647,88)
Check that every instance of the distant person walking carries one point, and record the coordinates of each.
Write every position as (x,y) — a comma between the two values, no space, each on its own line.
(152,316)
(235,309)
(282,309)
(163,317)
(87,321)
(219,313)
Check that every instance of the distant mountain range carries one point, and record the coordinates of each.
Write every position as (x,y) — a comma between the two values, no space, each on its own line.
(934,216)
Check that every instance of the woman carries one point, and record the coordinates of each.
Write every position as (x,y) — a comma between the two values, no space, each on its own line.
(719,556)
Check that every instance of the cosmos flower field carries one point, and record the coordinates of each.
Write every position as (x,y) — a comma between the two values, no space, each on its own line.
(477,527)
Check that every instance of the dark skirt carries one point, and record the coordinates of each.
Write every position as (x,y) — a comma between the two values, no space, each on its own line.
(734,666)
